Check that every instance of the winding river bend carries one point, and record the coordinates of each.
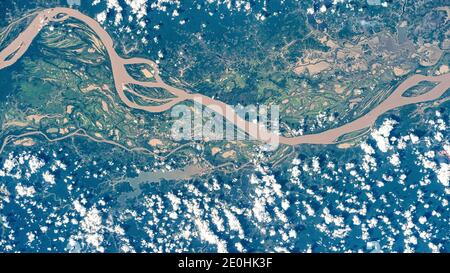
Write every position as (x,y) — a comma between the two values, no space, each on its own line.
(122,78)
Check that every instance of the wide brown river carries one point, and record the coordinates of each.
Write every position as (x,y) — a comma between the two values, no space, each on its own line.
(121,78)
